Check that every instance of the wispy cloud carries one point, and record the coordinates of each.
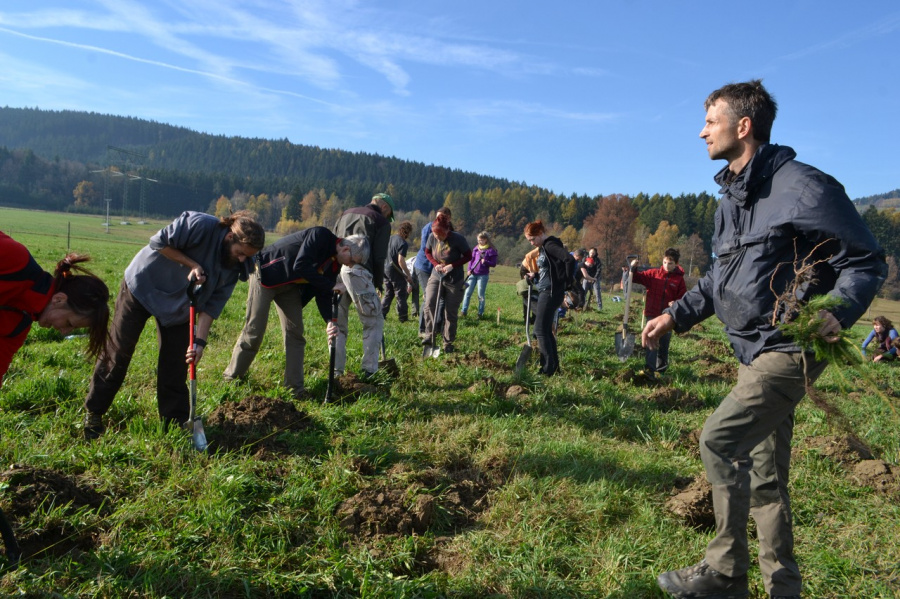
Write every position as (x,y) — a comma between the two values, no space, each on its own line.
(299,39)
(883,26)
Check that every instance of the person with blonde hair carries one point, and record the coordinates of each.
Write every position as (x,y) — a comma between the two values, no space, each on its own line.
(196,249)
(70,298)
(484,258)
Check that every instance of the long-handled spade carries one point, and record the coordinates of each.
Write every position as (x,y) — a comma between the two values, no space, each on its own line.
(430,350)
(625,339)
(525,354)
(332,349)
(194,424)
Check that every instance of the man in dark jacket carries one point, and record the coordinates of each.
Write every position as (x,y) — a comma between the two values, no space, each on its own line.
(361,280)
(290,272)
(664,285)
(774,211)
(398,279)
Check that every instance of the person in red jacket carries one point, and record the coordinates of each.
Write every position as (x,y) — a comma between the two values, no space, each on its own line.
(64,300)
(664,285)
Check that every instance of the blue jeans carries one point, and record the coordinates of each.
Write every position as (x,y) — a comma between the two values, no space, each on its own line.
(481,281)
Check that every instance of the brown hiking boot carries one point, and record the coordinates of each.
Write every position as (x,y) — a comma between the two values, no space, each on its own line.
(700,581)
(93,425)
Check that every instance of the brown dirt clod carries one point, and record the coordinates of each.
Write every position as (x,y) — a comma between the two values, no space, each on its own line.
(253,421)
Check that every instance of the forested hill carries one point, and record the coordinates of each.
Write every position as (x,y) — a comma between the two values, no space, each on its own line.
(220,165)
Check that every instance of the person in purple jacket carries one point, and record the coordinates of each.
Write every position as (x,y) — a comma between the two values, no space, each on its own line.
(484,258)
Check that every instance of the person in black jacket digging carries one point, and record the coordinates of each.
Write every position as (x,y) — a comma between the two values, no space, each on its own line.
(290,272)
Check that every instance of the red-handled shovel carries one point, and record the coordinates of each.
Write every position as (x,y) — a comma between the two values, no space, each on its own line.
(194,424)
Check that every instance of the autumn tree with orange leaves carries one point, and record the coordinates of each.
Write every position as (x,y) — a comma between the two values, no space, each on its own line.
(610,229)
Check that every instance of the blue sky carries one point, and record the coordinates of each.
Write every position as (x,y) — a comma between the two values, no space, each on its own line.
(591,97)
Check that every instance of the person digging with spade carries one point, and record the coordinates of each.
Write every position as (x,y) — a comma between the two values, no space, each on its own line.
(196,248)
(664,285)
(290,272)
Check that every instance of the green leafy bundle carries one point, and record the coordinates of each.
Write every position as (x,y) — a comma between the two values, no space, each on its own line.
(804,329)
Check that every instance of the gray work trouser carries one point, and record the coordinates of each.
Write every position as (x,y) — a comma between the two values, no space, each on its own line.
(746,449)
(447,296)
(289,304)
(361,293)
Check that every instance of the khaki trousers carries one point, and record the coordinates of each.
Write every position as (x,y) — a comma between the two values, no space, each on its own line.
(745,446)
(289,304)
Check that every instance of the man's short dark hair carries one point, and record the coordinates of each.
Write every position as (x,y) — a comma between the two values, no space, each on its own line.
(673,255)
(749,99)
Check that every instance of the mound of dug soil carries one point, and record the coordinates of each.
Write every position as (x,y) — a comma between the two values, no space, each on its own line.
(856,457)
(349,388)
(254,421)
(846,449)
(30,490)
(406,508)
(668,399)
(478,359)
(877,474)
(693,503)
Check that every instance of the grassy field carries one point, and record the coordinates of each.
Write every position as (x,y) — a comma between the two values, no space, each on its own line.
(456,479)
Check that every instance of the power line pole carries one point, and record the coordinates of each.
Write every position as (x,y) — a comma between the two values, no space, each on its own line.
(126,158)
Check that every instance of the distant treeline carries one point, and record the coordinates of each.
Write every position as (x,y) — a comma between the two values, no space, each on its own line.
(66,160)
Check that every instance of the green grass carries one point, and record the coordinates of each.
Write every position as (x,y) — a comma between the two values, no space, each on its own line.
(576,471)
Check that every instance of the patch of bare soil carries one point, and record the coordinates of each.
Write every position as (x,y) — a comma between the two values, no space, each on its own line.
(515,391)
(29,490)
(638,378)
(713,369)
(491,387)
(717,348)
(876,474)
(692,503)
(406,506)
(856,457)
(478,359)
(690,440)
(845,449)
(439,500)
(668,399)
(349,388)
(255,422)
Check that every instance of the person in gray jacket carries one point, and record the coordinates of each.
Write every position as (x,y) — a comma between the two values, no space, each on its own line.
(774,212)
(196,248)
(362,280)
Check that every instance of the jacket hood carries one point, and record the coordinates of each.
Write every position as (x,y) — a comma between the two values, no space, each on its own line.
(768,159)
